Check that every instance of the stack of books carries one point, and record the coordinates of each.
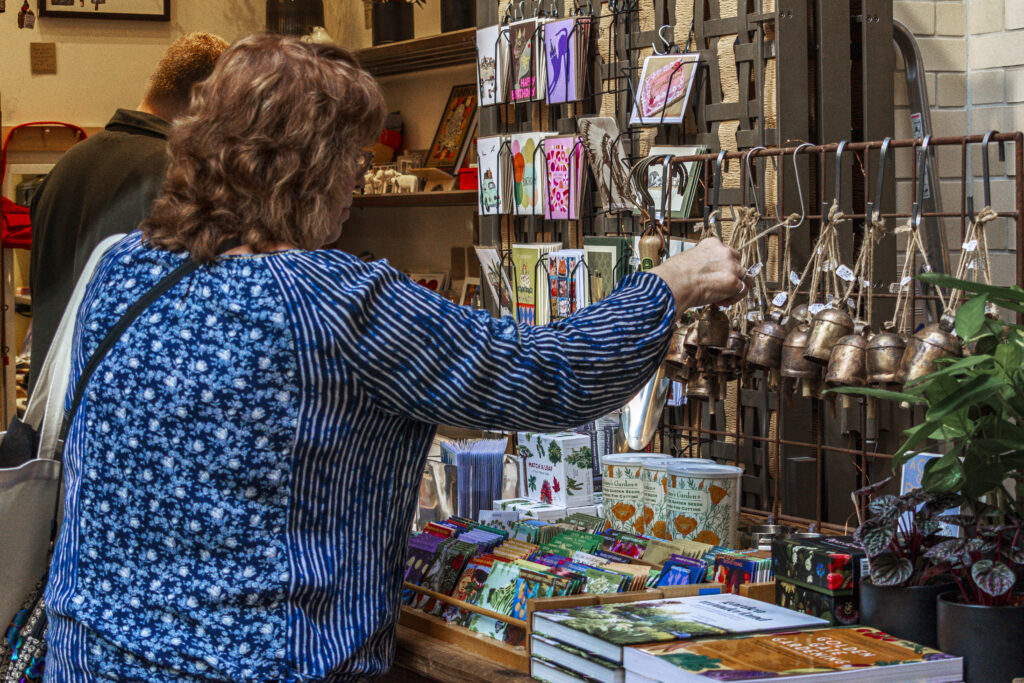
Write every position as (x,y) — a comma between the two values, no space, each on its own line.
(719,637)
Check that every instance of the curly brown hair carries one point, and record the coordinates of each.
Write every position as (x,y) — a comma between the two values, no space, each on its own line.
(263,146)
(188,60)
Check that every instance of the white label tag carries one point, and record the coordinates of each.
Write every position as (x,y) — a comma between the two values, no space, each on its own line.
(827,266)
(755,270)
(814,309)
(905,281)
(865,568)
(970,246)
(794,278)
(753,316)
(926,268)
(865,282)
(821,248)
(894,287)
(851,303)
(845,273)
(780,299)
(973,264)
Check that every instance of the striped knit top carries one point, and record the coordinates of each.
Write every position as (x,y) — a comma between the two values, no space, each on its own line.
(242,474)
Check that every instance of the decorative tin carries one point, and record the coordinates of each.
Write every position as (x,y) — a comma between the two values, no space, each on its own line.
(702,502)
(623,492)
(655,478)
(832,563)
(839,610)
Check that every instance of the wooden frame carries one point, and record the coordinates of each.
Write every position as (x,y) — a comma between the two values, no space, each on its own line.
(470,286)
(138,10)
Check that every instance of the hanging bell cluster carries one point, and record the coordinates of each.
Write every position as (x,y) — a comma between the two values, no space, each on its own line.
(931,343)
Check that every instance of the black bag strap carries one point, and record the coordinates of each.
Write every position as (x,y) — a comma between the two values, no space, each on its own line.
(120,327)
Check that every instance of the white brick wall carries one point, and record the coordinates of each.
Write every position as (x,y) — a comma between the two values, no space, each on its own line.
(973,53)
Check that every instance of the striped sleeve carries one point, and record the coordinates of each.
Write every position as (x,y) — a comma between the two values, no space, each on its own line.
(429,359)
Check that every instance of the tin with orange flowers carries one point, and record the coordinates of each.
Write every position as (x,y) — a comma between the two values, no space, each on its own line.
(702,502)
(623,486)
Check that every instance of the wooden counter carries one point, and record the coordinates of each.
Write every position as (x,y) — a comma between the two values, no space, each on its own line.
(422,658)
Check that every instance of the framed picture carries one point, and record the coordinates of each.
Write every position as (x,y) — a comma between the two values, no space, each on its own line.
(145,10)
(454,131)
(469,290)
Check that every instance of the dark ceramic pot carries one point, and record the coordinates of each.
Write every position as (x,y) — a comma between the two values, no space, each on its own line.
(988,638)
(907,612)
(457,14)
(392,22)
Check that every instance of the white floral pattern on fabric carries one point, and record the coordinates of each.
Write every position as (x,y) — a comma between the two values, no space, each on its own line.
(180,538)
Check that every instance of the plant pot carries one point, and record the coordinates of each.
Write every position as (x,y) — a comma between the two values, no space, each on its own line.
(988,638)
(392,22)
(294,17)
(457,14)
(906,612)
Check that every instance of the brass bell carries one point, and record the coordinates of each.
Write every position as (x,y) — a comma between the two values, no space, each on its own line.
(883,355)
(923,349)
(732,354)
(676,365)
(765,348)
(712,328)
(702,387)
(794,365)
(829,326)
(847,365)
(690,340)
(800,314)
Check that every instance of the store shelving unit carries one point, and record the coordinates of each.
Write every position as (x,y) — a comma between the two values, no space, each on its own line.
(452,198)
(420,54)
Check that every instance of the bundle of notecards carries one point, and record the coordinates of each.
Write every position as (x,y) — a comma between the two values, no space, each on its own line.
(567,282)
(735,568)
(495,175)
(565,46)
(564,176)
(478,472)
(492,53)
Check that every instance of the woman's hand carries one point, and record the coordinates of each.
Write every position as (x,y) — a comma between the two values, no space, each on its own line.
(710,273)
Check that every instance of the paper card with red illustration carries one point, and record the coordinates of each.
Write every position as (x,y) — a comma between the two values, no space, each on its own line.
(563,177)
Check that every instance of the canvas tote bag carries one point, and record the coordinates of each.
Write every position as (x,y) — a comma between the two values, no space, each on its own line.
(30,490)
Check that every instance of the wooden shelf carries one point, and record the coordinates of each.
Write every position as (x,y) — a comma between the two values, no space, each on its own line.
(420,54)
(453,198)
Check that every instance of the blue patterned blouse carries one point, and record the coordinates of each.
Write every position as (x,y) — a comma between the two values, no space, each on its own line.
(242,474)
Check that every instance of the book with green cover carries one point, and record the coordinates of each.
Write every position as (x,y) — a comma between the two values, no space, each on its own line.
(855,653)
(575,659)
(549,672)
(604,630)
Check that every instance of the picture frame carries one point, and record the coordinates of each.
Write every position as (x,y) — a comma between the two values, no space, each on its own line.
(134,10)
(454,130)
(470,287)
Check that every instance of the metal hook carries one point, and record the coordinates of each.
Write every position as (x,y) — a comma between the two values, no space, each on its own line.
(522,9)
(710,217)
(750,177)
(799,187)
(922,166)
(986,176)
(666,187)
(876,199)
(839,173)
(668,42)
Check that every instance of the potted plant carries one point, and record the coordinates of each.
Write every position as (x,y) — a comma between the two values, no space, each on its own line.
(393,20)
(899,595)
(975,405)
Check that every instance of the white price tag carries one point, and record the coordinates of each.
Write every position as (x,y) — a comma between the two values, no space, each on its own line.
(926,268)
(794,278)
(970,246)
(755,270)
(780,299)
(821,248)
(851,303)
(845,273)
(814,309)
(894,287)
(864,282)
(973,265)
(905,281)
(753,317)
(828,266)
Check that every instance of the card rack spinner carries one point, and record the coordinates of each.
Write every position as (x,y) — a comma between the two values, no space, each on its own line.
(773,75)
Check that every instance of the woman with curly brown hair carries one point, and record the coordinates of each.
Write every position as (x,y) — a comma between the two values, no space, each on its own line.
(242,471)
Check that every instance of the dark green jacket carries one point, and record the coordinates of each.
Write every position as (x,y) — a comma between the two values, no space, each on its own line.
(100,187)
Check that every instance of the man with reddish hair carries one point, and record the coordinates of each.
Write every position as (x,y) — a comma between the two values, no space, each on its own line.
(104,185)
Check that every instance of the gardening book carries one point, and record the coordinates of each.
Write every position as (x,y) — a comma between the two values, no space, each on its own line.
(605,630)
(843,654)
(549,672)
(575,659)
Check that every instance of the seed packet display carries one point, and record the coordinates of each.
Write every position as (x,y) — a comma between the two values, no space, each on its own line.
(494,169)
(563,177)
(565,43)
(492,64)
(527,64)
(527,152)
(665,86)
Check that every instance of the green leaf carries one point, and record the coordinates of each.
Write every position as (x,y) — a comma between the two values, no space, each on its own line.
(994,578)
(877,393)
(971,316)
(888,569)
(970,393)
(956,366)
(1009,356)
(947,551)
(885,508)
(943,475)
(915,436)
(996,293)
(875,536)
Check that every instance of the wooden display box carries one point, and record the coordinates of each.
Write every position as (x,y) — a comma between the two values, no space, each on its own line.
(518,658)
